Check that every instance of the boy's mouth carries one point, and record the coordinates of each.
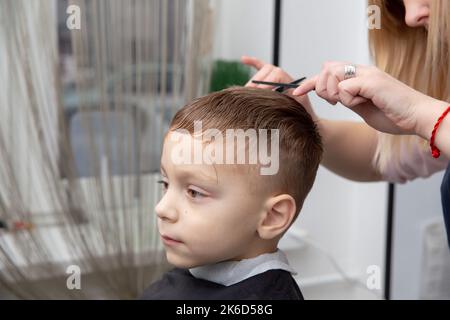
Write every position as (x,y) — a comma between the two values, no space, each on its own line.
(169,241)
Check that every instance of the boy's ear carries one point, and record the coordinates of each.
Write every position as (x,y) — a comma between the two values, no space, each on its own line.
(279,211)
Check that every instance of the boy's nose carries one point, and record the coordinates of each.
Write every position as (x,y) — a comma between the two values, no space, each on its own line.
(416,13)
(166,210)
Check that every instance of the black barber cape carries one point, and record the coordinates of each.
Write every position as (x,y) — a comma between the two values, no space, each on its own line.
(180,284)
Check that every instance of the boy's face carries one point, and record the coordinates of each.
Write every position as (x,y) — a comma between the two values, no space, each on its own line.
(208,213)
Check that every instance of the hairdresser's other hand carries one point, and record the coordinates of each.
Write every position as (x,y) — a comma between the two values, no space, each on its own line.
(271,73)
(384,102)
(265,72)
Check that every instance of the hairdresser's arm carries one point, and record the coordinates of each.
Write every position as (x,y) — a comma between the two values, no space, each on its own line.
(349,147)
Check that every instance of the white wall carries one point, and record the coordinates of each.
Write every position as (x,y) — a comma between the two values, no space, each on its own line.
(243,27)
(345,218)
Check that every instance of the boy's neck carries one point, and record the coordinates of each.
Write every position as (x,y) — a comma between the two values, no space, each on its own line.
(258,249)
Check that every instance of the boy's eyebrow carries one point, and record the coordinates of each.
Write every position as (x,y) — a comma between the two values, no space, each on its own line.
(188,173)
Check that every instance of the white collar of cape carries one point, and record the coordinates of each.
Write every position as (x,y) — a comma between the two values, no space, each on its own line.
(228,273)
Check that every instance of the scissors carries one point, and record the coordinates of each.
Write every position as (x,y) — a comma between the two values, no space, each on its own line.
(280,87)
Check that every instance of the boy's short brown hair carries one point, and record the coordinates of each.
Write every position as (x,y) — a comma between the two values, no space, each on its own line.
(300,145)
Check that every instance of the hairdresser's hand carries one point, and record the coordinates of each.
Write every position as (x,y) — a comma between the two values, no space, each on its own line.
(271,73)
(385,103)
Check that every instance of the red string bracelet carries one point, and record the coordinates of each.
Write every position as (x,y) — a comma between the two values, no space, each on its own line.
(435,152)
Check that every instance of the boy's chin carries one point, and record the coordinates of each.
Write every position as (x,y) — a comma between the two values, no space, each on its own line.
(179,262)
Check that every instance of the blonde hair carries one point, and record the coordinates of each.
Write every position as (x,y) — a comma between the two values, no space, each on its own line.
(415,56)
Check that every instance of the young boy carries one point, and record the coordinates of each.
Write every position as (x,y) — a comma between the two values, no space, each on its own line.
(222,214)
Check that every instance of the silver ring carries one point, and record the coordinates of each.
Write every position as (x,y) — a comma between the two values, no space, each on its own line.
(349,71)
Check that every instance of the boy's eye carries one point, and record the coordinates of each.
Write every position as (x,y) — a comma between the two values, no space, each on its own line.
(164,184)
(195,194)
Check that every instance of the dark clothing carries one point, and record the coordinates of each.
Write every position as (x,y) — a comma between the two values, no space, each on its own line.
(179,284)
(445,197)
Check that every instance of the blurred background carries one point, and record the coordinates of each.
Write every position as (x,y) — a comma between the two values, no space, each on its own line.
(83,114)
